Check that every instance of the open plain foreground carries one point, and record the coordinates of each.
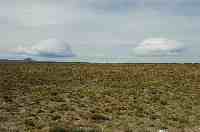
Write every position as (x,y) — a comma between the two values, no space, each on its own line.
(59,97)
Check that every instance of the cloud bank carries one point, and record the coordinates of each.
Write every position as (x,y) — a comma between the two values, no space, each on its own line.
(51,48)
(159,47)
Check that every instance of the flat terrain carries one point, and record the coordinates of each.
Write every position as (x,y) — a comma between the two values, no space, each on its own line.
(114,97)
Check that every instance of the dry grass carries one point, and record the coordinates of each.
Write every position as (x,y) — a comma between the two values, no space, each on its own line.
(109,97)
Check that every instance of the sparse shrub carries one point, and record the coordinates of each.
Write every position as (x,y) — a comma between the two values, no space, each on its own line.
(100,117)
(84,130)
(58,129)
(30,122)
(56,117)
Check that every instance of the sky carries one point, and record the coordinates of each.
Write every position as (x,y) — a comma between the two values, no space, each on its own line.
(102,30)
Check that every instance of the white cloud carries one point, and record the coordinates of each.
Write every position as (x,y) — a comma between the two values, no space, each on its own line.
(47,48)
(158,47)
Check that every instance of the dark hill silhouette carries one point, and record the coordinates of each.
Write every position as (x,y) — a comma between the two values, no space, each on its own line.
(16,61)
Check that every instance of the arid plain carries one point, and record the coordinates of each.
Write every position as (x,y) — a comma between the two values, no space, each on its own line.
(43,97)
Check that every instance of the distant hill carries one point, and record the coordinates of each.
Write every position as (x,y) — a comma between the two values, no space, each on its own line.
(30,60)
(14,61)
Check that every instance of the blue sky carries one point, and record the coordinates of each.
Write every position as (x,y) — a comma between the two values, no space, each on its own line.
(100,29)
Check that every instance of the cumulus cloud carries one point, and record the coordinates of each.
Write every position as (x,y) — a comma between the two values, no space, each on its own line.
(159,47)
(47,48)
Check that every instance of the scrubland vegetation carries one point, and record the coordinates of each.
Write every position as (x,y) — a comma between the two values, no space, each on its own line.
(106,97)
